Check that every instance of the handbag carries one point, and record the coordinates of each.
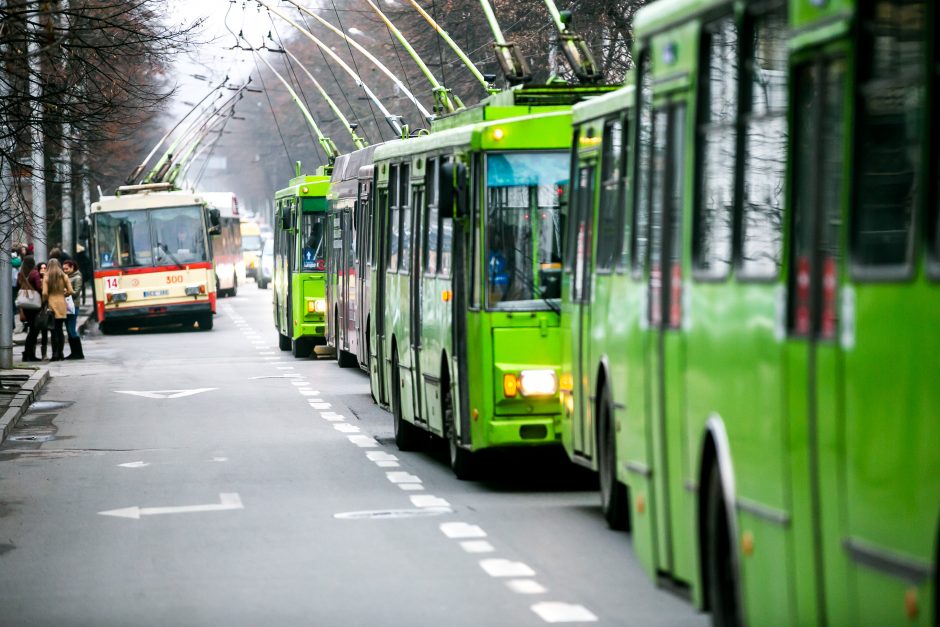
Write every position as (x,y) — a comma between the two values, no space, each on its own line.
(28,299)
(45,319)
(69,305)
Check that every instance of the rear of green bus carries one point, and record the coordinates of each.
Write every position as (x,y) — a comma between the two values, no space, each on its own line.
(299,277)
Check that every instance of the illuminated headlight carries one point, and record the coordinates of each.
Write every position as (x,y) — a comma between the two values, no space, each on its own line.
(316,305)
(118,297)
(538,383)
(195,290)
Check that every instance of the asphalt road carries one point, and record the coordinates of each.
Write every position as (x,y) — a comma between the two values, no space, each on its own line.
(180,477)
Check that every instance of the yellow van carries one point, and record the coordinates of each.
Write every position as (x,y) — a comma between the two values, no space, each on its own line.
(251,247)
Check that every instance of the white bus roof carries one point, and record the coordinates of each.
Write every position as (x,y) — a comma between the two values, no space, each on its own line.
(146,200)
(225,202)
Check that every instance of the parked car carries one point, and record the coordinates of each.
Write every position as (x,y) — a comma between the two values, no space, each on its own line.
(266,265)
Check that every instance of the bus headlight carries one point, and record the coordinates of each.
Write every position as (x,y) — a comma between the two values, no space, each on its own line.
(316,305)
(538,383)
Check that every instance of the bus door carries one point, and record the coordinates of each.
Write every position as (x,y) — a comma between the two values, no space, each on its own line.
(364,267)
(343,276)
(417,298)
(665,315)
(352,279)
(583,217)
(379,245)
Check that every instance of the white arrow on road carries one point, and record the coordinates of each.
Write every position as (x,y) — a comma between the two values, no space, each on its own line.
(227,500)
(166,393)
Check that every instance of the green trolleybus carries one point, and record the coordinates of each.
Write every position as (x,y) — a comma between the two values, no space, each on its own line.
(299,285)
(750,307)
(465,341)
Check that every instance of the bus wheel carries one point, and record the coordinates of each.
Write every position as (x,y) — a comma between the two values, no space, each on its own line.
(721,587)
(614,499)
(463,462)
(344,359)
(407,436)
(283,342)
(300,348)
(205,322)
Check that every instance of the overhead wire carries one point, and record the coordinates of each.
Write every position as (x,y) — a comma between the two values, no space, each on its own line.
(290,161)
(375,118)
(293,76)
(403,72)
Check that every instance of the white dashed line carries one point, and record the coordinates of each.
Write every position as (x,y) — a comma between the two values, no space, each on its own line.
(428,500)
(309,392)
(498,567)
(342,427)
(317,405)
(387,464)
(402,477)
(411,486)
(382,456)
(477,546)
(526,586)
(286,368)
(267,353)
(555,612)
(458,530)
(332,417)
(300,383)
(363,441)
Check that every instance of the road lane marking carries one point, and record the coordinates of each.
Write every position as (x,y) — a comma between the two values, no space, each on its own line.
(134,465)
(555,612)
(267,353)
(332,418)
(343,427)
(310,393)
(411,486)
(317,405)
(363,441)
(387,464)
(376,456)
(300,383)
(379,514)
(286,368)
(526,586)
(499,567)
(402,477)
(227,501)
(428,500)
(477,546)
(165,393)
(458,530)
(219,459)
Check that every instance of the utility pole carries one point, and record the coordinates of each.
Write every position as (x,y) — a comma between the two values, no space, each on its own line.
(6,223)
(38,177)
(68,219)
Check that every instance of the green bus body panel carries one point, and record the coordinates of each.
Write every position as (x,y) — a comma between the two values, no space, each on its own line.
(290,287)
(831,446)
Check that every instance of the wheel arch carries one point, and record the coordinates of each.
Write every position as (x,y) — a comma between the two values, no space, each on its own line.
(716,452)
(600,382)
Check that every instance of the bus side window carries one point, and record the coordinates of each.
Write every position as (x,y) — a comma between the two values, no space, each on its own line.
(642,167)
(611,206)
(431,220)
(626,194)
(392,212)
(572,208)
(476,260)
(765,146)
(891,92)
(717,145)
(404,254)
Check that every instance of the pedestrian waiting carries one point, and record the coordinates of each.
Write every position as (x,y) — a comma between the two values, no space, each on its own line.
(57,294)
(71,319)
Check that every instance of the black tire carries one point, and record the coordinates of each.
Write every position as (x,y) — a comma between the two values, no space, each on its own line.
(344,359)
(205,322)
(283,342)
(720,580)
(106,328)
(407,436)
(464,462)
(615,501)
(300,348)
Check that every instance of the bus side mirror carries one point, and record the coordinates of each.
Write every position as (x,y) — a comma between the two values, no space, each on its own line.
(215,222)
(452,189)
(84,232)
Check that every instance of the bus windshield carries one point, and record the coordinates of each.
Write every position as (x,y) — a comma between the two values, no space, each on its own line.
(312,250)
(523,228)
(150,237)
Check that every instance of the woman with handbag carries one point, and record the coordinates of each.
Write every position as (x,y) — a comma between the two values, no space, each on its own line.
(55,288)
(29,300)
(71,320)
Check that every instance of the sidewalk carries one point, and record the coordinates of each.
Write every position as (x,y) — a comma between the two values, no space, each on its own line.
(20,386)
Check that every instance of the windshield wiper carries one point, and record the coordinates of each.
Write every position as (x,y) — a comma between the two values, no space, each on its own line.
(170,255)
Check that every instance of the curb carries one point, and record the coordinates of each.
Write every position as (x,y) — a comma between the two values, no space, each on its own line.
(22,400)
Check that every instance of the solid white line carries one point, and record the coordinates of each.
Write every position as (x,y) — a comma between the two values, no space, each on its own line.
(428,500)
(477,546)
(457,530)
(498,567)
(526,586)
(555,612)
(402,477)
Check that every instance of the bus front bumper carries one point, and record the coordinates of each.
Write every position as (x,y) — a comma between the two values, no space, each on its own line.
(522,431)
(149,312)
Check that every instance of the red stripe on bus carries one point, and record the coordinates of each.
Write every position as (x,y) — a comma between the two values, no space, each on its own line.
(200,265)
(212,301)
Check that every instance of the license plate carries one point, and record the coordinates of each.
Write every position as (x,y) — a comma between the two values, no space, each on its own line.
(156,293)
